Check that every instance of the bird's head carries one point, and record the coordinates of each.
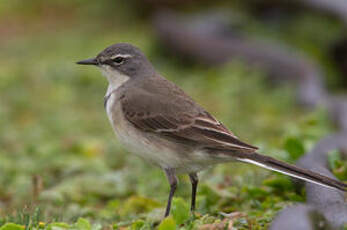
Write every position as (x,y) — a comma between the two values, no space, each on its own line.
(121,60)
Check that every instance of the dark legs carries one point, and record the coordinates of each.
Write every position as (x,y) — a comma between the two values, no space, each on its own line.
(170,174)
(194,180)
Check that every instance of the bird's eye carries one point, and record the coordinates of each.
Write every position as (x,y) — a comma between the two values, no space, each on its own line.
(118,60)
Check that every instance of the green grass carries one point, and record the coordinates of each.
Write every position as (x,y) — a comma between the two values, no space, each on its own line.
(61,166)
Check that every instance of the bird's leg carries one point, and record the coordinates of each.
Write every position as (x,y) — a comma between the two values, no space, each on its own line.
(194,180)
(170,174)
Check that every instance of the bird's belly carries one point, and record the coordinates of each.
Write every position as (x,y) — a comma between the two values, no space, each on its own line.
(150,146)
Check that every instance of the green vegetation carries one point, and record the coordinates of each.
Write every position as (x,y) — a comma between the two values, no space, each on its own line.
(60,164)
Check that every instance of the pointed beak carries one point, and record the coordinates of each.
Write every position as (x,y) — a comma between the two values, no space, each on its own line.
(90,61)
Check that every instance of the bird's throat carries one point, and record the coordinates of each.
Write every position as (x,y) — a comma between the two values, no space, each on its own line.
(114,78)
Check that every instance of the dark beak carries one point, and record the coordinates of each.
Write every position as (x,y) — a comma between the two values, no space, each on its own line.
(90,61)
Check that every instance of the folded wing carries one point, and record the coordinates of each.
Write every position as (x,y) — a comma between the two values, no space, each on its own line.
(174,115)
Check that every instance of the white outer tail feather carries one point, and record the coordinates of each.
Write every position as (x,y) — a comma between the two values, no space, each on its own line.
(284,172)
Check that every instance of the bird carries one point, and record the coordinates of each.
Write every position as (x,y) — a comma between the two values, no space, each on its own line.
(155,119)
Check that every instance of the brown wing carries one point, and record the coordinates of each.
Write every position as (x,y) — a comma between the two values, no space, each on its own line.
(168,111)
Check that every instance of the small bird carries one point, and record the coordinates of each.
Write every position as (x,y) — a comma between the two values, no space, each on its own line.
(155,119)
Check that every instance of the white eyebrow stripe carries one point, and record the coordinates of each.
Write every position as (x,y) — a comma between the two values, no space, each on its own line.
(121,55)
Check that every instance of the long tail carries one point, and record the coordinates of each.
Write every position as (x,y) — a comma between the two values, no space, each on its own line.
(293,171)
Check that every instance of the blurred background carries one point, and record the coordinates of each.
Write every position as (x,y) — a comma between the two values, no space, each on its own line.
(266,69)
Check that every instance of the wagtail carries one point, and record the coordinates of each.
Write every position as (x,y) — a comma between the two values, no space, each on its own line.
(158,121)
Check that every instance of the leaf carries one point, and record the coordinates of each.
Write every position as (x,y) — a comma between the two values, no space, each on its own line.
(295,147)
(180,210)
(167,224)
(12,226)
(207,197)
(83,224)
(137,225)
(280,183)
(58,226)
(138,204)
(255,192)
(333,158)
(337,165)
